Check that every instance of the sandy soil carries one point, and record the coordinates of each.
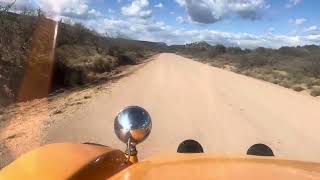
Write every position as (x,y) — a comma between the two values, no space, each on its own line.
(226,112)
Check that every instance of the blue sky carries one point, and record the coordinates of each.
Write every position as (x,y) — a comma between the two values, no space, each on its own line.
(244,23)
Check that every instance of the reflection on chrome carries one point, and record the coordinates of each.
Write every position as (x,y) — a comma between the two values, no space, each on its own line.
(133,123)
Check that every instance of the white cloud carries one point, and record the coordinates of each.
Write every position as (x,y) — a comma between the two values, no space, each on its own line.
(95,13)
(111,11)
(181,20)
(298,21)
(292,3)
(313,38)
(271,29)
(181,2)
(210,11)
(151,30)
(314,30)
(78,9)
(60,6)
(138,8)
(113,24)
(160,5)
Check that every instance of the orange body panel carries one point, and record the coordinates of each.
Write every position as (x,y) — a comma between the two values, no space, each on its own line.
(66,161)
(204,166)
(81,161)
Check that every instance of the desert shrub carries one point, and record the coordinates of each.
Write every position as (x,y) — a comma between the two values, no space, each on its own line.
(75,34)
(221,49)
(315,91)
(114,51)
(276,81)
(15,43)
(100,65)
(298,88)
(311,82)
(234,50)
(198,46)
(293,51)
(104,64)
(261,50)
(297,77)
(67,76)
(214,51)
(247,73)
(127,59)
(254,60)
(314,66)
(286,84)
(316,82)
(267,77)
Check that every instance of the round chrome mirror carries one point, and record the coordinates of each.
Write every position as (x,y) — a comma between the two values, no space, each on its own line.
(133,124)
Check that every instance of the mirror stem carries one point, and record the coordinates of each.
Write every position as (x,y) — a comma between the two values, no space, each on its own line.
(131,152)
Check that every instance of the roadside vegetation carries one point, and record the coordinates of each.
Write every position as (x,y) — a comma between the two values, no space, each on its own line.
(297,68)
(82,56)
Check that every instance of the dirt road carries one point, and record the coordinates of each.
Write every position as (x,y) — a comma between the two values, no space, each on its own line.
(225,111)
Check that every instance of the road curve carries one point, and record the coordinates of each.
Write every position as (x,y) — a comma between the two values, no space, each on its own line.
(226,112)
